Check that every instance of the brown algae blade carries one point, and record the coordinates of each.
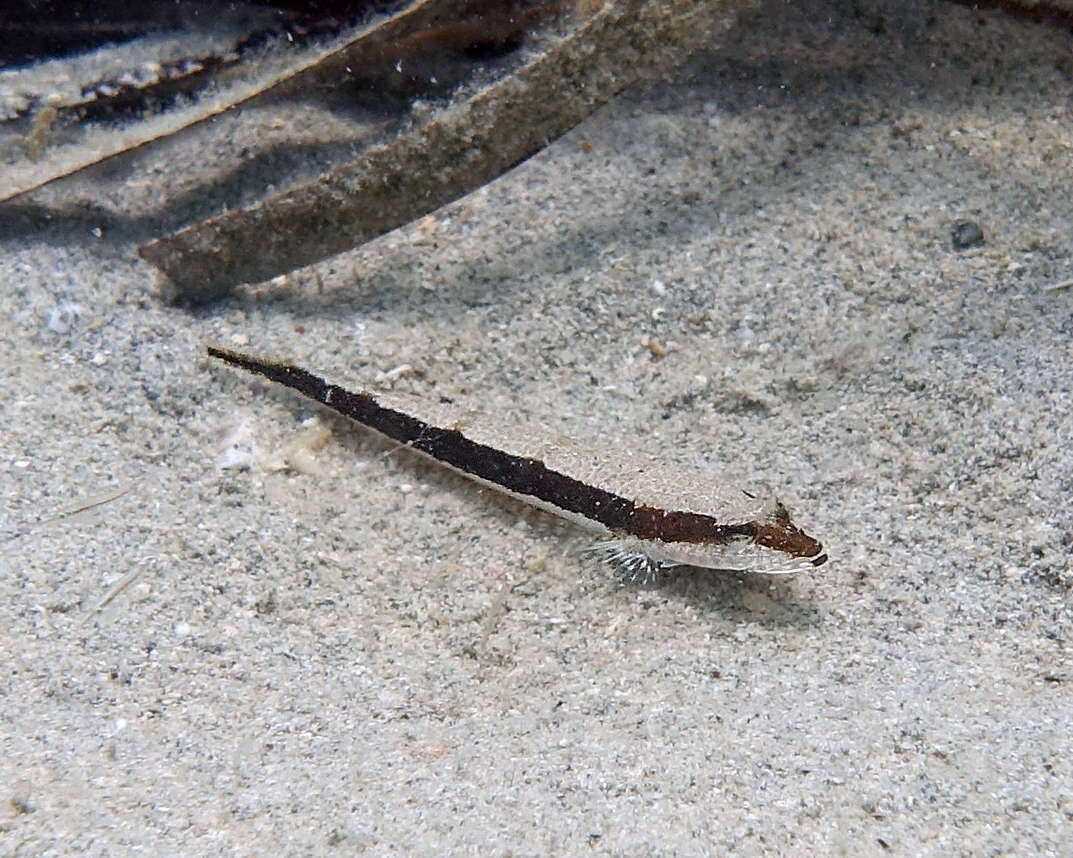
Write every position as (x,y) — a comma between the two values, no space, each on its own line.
(235,83)
(458,150)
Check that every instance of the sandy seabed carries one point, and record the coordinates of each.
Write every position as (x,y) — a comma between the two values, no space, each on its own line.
(316,644)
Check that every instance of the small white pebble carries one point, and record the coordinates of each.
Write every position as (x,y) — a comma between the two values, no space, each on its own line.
(99,359)
(182,630)
(396,372)
(62,317)
(234,457)
(120,723)
(658,287)
(235,448)
(405,488)
(20,463)
(240,339)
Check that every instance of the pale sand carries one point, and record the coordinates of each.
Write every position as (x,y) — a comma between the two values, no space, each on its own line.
(369,656)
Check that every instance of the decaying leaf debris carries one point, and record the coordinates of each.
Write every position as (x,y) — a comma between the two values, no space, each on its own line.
(459,149)
(211,85)
(61,97)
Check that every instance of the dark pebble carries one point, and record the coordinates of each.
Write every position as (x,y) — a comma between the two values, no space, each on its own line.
(965,234)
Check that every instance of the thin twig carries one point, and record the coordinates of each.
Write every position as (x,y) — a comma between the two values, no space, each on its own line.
(1054,287)
(116,589)
(86,506)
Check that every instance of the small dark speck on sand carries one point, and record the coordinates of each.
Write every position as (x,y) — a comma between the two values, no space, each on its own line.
(965,234)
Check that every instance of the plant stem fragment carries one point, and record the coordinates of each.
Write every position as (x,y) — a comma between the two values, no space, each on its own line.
(458,150)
